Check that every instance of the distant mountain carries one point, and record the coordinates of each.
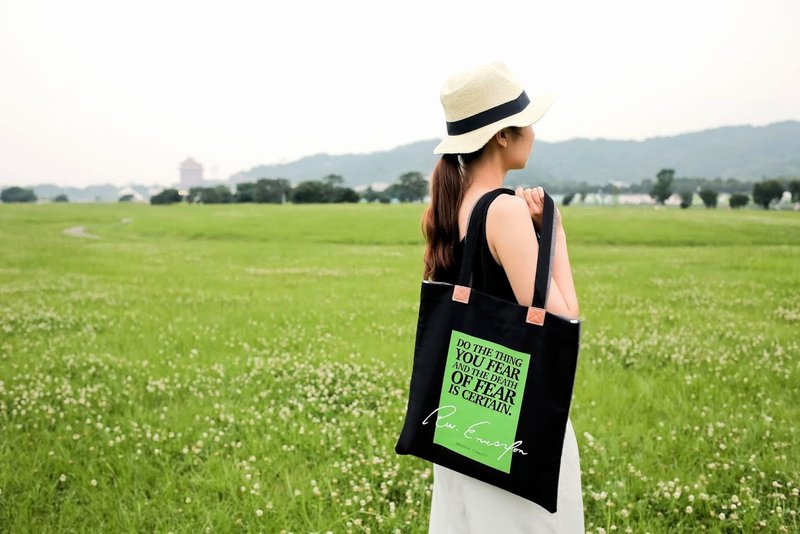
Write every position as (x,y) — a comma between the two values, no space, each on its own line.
(744,152)
(357,169)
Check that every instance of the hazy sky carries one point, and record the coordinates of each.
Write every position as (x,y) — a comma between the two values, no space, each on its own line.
(98,91)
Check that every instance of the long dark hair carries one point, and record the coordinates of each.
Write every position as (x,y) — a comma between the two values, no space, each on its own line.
(440,221)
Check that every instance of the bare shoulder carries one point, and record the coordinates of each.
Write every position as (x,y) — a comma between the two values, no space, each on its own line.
(508,213)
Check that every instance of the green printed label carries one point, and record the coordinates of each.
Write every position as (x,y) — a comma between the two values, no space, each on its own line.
(481,399)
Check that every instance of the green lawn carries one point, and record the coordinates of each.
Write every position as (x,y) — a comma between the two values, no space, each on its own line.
(211,368)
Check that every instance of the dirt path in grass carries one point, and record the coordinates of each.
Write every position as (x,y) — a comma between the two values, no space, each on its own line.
(79,231)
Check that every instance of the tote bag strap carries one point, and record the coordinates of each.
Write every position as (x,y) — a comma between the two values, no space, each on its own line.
(544,262)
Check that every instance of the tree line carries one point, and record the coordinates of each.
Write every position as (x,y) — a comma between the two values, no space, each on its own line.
(19,194)
(410,187)
(644,186)
(764,192)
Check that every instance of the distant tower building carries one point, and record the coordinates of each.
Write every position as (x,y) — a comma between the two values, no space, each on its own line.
(191,174)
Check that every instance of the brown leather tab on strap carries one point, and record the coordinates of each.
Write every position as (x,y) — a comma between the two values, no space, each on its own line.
(461,293)
(535,316)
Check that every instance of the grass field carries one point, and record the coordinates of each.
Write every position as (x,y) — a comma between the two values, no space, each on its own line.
(245,367)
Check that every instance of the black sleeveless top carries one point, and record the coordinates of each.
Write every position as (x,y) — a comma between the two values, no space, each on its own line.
(487,276)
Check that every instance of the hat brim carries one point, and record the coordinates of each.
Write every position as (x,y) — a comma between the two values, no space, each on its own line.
(472,141)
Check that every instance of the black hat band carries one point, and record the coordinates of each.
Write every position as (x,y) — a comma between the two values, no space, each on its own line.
(484,118)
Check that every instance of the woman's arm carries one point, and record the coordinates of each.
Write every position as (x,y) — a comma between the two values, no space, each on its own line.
(562,275)
(566,297)
(511,235)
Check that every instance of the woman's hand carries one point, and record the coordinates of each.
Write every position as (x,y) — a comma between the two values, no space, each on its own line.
(535,199)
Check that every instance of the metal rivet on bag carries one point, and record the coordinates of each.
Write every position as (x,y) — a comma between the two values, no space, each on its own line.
(461,293)
(535,316)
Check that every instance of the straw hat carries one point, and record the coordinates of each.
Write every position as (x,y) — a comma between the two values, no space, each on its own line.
(481,101)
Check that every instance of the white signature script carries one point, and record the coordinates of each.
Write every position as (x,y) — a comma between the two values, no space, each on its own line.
(471,430)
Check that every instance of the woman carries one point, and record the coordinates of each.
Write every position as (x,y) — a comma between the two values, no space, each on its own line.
(489,125)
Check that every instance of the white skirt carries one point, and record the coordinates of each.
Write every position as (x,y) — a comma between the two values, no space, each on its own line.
(465,505)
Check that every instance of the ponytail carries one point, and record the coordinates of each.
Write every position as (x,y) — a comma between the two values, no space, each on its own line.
(440,220)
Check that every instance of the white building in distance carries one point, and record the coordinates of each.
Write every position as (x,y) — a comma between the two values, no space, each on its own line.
(191,174)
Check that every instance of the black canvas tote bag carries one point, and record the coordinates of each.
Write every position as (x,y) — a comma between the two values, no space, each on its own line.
(492,380)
